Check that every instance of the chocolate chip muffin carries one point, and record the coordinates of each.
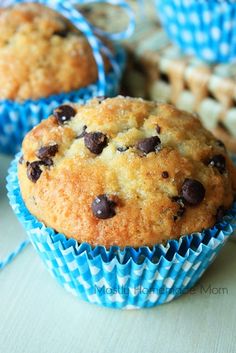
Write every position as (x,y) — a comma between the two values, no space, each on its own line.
(126,172)
(41,54)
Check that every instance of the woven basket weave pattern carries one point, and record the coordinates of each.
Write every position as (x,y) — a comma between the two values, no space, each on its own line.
(157,70)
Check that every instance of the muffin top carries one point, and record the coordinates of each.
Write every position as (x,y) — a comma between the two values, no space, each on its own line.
(41,54)
(124,171)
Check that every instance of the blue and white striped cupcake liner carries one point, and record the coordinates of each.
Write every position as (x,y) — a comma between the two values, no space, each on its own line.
(125,278)
(204,28)
(17,118)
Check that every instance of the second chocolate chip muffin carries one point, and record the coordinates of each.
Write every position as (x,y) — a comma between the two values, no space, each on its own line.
(41,54)
(125,171)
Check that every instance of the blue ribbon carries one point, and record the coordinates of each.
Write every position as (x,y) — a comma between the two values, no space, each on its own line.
(68,10)
(13,254)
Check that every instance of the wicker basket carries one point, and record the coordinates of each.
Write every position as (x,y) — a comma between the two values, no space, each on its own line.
(158,71)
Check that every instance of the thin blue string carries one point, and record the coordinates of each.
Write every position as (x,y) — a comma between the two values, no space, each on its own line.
(106,51)
(14,254)
(68,11)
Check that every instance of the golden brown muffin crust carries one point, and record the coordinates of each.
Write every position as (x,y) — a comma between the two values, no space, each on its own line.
(41,54)
(147,198)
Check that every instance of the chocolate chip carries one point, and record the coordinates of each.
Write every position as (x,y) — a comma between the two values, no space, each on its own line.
(64,113)
(122,149)
(95,142)
(181,202)
(82,133)
(179,199)
(181,211)
(193,191)
(21,160)
(150,144)
(165,174)
(103,208)
(48,162)
(158,148)
(63,33)
(220,143)
(158,129)
(34,171)
(179,214)
(220,213)
(218,162)
(47,151)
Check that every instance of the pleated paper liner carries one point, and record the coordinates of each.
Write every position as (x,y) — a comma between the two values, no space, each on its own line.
(16,118)
(122,278)
(203,28)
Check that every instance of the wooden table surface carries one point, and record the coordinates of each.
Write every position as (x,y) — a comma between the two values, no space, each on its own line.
(38,316)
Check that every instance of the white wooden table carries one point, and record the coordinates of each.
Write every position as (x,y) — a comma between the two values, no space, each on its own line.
(37,315)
